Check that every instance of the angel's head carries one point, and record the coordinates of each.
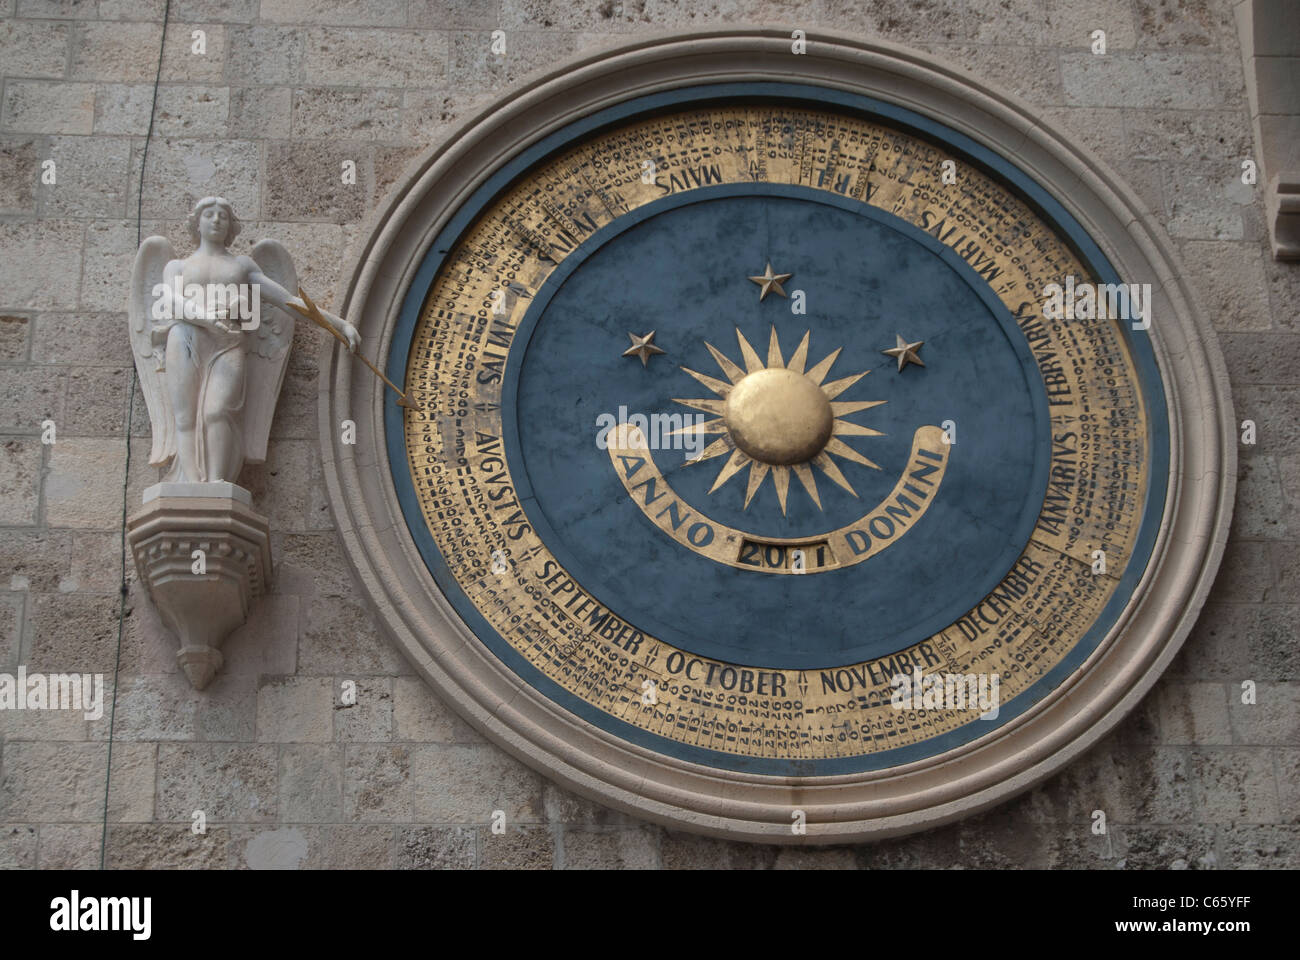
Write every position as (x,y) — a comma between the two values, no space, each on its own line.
(213,218)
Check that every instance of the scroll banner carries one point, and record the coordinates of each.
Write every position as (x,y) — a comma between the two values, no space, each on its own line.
(873,532)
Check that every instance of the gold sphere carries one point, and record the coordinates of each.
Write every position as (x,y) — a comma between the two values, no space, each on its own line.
(778,416)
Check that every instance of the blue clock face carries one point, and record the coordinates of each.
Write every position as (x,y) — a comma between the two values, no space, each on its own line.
(748,433)
(861,276)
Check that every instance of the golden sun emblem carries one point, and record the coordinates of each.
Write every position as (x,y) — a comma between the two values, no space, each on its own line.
(778,418)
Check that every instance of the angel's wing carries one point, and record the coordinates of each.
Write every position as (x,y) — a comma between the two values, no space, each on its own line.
(268,351)
(150,262)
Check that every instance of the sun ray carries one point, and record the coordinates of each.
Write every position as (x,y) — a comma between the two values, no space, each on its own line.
(774,361)
(716,449)
(827,465)
(800,357)
(843,428)
(781,477)
(843,408)
(717,407)
(842,449)
(836,387)
(735,463)
(757,474)
(717,386)
(716,425)
(809,481)
(733,372)
(753,362)
(818,373)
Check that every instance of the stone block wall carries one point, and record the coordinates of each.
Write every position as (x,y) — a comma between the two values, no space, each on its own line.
(287,773)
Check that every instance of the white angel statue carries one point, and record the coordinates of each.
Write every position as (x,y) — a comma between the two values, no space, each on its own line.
(211,337)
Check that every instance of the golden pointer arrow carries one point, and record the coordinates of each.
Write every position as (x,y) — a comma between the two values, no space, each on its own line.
(313,314)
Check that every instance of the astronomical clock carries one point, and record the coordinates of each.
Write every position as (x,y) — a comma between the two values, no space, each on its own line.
(797,442)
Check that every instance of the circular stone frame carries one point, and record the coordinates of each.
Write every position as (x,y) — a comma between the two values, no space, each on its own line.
(844,808)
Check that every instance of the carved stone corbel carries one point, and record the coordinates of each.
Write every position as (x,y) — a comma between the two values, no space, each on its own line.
(1284,214)
(205,556)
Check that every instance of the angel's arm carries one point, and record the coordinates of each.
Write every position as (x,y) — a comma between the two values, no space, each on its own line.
(173,309)
(282,298)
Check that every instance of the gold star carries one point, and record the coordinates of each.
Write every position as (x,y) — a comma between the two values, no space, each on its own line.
(771,281)
(642,347)
(905,352)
